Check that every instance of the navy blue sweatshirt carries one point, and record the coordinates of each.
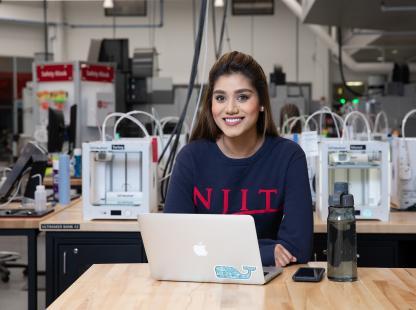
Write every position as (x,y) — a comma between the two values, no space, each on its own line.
(272,186)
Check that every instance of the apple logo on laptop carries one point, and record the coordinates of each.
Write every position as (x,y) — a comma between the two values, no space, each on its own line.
(200,249)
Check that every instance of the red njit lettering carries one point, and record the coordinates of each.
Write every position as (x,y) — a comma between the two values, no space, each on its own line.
(205,200)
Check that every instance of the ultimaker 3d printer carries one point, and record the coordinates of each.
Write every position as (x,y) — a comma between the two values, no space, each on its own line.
(365,166)
(119,178)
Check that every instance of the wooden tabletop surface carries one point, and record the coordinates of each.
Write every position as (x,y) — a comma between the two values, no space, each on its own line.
(29,222)
(48,181)
(129,286)
(400,222)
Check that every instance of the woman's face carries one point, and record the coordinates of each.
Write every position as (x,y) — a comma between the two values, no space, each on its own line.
(235,105)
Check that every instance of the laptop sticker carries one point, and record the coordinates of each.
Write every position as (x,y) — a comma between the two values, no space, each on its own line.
(229,272)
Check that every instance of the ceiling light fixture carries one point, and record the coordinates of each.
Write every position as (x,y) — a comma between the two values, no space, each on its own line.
(108,4)
(355,83)
(397,8)
(219,3)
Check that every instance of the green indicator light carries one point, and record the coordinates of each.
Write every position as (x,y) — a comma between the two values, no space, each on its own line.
(355,101)
(342,100)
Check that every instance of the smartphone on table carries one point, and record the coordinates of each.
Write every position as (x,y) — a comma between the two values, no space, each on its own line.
(308,274)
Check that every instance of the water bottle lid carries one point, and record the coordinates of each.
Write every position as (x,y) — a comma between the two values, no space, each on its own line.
(77,152)
(40,188)
(347,201)
(341,187)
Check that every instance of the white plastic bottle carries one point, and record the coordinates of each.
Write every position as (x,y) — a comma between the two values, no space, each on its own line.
(40,198)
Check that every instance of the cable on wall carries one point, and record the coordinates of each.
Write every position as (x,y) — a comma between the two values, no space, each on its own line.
(214,29)
(204,67)
(218,47)
(341,64)
(175,136)
(45,26)
(223,27)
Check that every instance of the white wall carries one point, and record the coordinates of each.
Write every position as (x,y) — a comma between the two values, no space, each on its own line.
(270,39)
(20,40)
(21,27)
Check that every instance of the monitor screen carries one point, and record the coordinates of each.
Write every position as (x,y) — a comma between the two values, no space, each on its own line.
(32,156)
(72,130)
(117,51)
(56,131)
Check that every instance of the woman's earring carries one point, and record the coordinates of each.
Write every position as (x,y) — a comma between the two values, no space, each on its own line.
(262,109)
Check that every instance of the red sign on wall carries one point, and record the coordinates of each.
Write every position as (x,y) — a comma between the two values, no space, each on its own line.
(54,73)
(97,73)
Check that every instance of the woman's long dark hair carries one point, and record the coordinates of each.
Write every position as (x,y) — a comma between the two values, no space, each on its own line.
(235,62)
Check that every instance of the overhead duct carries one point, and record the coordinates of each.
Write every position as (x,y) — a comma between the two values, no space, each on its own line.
(349,62)
(393,15)
(252,7)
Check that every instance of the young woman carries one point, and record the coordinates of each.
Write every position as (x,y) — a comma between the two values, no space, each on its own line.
(235,163)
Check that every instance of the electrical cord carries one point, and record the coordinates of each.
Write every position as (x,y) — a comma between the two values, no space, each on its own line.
(341,64)
(214,30)
(204,67)
(405,164)
(115,114)
(405,118)
(286,123)
(334,117)
(175,136)
(300,119)
(185,130)
(218,50)
(131,113)
(326,110)
(377,121)
(175,119)
(223,26)
(357,113)
(227,32)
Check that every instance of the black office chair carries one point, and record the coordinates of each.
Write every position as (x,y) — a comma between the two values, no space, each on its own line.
(6,262)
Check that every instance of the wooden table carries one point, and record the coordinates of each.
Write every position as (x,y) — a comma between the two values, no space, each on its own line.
(74,244)
(29,227)
(129,286)
(75,182)
(400,222)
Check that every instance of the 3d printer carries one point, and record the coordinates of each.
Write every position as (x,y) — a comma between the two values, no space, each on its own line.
(119,178)
(365,166)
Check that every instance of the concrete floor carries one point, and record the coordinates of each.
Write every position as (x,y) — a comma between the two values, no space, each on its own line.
(13,295)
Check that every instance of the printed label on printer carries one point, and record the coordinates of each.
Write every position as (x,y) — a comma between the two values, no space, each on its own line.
(117,147)
(357,147)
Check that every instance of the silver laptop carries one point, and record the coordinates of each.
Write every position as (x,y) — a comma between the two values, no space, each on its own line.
(204,248)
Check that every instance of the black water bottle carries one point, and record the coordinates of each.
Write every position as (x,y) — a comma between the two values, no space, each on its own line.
(342,237)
